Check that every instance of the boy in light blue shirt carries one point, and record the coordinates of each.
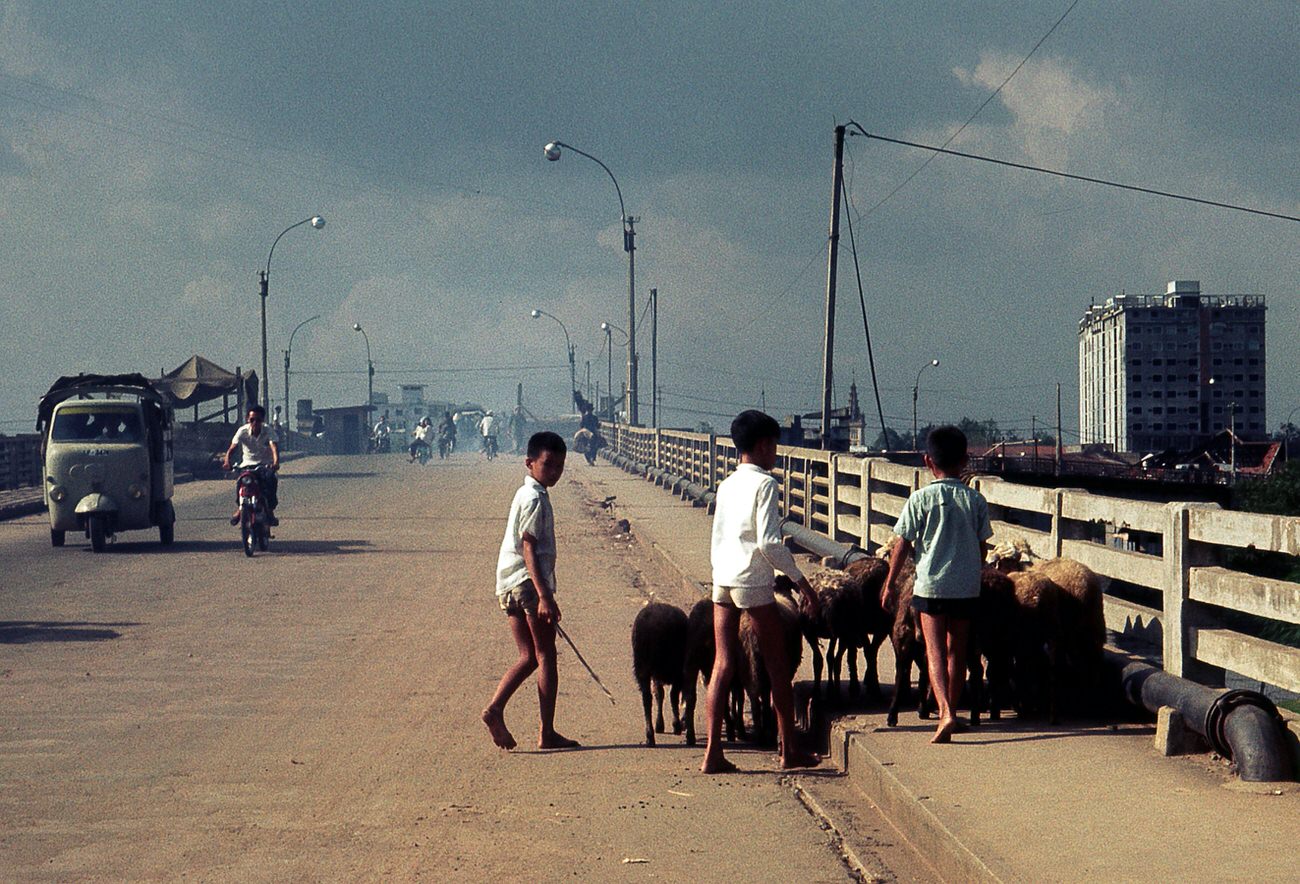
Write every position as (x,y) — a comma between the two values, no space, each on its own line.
(946,526)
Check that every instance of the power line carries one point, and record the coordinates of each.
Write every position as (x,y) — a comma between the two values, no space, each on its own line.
(1086,178)
(431,370)
(972,117)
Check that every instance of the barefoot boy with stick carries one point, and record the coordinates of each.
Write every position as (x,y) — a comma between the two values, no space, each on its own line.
(526,593)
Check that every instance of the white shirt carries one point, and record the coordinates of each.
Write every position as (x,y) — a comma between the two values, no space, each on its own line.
(530,513)
(254,450)
(421,432)
(747,548)
(488,425)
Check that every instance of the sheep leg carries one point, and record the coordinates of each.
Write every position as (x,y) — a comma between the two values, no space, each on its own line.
(645,703)
(902,682)
(927,704)
(659,705)
(833,652)
(871,676)
(690,693)
(975,687)
(815,646)
(854,687)
(676,699)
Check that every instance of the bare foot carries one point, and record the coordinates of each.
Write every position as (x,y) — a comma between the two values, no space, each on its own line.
(943,734)
(721,765)
(496,725)
(557,741)
(800,759)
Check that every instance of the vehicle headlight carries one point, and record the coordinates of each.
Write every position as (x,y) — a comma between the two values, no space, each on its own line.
(135,491)
(58,493)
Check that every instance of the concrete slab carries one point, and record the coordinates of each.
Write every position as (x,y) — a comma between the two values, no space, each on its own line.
(1017,800)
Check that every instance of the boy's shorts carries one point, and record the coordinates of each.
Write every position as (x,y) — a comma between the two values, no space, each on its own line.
(958,609)
(520,600)
(743,596)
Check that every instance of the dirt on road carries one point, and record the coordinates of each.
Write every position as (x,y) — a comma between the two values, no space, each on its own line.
(313,713)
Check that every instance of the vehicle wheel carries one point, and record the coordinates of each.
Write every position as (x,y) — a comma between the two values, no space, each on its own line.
(167,533)
(97,530)
(264,538)
(246,533)
(57,537)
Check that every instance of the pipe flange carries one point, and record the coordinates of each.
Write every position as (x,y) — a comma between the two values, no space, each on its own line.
(1223,706)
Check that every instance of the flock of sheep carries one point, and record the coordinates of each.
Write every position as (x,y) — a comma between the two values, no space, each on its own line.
(1039,638)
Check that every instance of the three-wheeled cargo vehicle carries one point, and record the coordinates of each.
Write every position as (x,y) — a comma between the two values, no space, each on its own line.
(106,448)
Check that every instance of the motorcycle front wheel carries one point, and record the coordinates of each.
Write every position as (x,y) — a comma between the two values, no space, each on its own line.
(246,534)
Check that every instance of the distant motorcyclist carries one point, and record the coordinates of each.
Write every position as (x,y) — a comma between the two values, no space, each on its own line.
(257,450)
(487,428)
(421,440)
(518,424)
(447,429)
(379,435)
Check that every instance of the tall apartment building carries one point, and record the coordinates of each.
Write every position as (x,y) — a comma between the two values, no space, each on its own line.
(1166,371)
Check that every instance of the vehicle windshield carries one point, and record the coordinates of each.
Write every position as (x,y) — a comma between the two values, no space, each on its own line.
(97,425)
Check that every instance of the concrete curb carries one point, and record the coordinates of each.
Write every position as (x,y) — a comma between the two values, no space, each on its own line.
(951,859)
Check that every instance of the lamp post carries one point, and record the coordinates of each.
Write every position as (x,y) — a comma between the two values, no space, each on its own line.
(916,390)
(317,222)
(370,372)
(573,368)
(607,328)
(287,355)
(1232,439)
(553,153)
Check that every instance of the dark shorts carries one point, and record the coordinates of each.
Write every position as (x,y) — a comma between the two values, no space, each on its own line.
(960,609)
(520,601)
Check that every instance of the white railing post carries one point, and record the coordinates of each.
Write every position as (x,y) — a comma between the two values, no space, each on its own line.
(866,503)
(1180,556)
(833,497)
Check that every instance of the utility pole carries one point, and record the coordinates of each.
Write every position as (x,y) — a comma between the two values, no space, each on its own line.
(654,358)
(1058,430)
(629,245)
(589,399)
(1033,428)
(762,399)
(828,344)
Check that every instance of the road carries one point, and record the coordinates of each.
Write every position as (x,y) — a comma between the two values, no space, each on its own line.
(313,713)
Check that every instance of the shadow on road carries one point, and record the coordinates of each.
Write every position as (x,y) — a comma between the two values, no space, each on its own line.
(307,477)
(232,545)
(22,632)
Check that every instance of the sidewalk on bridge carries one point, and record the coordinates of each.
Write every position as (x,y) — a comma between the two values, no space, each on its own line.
(1022,801)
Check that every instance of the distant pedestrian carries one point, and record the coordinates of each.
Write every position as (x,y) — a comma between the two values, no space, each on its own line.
(747,551)
(518,429)
(946,525)
(526,593)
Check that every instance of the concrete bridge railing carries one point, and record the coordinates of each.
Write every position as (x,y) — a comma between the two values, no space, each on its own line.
(854,499)
(20,461)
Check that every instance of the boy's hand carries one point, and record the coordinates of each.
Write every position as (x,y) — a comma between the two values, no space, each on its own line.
(547,610)
(811,604)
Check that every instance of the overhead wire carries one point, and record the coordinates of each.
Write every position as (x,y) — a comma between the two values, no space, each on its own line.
(972,117)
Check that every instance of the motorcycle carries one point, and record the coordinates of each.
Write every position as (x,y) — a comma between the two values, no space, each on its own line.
(380,443)
(254,522)
(445,444)
(490,447)
(420,453)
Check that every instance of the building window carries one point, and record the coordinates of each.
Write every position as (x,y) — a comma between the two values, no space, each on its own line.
(1137,427)
(1136,409)
(1156,394)
(1157,377)
(1157,410)
(1157,427)
(1218,362)
(1137,378)
(1135,345)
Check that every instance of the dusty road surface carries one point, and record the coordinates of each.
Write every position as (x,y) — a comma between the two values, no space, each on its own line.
(313,713)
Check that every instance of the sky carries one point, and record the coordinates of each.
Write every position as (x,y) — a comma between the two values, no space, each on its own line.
(151,153)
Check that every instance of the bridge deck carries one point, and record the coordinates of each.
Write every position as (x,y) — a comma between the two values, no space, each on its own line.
(1020,800)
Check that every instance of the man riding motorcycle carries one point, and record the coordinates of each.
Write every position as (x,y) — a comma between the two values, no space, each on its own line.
(257,450)
(488,428)
(421,440)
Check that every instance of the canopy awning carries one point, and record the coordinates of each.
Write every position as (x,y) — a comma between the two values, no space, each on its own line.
(201,380)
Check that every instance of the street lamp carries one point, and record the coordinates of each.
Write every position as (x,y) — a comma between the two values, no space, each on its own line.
(553,153)
(287,354)
(573,370)
(609,364)
(317,222)
(1286,435)
(916,390)
(370,372)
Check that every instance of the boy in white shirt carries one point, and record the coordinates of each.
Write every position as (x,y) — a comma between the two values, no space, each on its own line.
(526,593)
(747,550)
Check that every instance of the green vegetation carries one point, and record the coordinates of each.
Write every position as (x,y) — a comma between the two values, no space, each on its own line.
(1279,494)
